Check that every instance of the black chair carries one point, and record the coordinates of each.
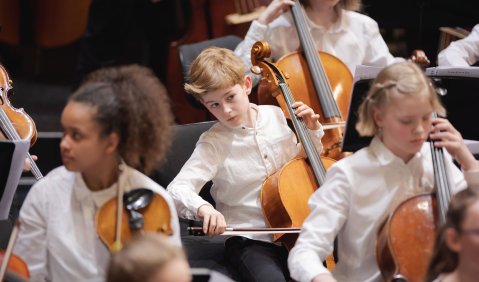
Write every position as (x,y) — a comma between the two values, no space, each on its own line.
(202,252)
(188,52)
(183,143)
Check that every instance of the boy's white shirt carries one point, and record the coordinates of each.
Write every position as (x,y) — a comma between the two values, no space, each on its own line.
(237,160)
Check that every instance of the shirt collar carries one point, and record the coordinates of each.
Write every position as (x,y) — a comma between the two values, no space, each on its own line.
(85,195)
(243,129)
(385,156)
(339,26)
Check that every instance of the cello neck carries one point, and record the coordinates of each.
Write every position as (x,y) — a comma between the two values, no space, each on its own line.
(259,52)
(316,69)
(441,181)
(316,164)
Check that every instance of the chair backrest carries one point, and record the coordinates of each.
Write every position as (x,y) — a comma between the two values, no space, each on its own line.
(189,52)
(184,141)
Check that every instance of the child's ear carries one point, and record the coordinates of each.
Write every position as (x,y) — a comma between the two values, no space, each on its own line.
(452,240)
(378,117)
(248,83)
(113,142)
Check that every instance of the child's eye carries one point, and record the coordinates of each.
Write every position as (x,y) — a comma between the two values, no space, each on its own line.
(427,117)
(406,121)
(214,105)
(76,136)
(231,97)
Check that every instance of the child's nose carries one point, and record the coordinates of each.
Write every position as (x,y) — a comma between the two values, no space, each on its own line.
(226,109)
(64,143)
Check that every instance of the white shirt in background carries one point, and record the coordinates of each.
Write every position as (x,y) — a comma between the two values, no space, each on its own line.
(354,39)
(358,194)
(461,53)
(58,238)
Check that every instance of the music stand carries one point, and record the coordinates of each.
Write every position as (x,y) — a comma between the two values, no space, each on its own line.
(461,101)
(12,158)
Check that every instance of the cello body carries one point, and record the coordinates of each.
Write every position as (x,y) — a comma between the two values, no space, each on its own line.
(295,68)
(341,84)
(285,194)
(406,240)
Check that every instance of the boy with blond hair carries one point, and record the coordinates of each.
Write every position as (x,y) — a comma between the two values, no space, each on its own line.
(248,144)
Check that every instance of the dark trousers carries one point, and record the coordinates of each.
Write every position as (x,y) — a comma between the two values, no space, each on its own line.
(257,260)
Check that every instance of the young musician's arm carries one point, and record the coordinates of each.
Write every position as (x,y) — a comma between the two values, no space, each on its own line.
(31,244)
(461,53)
(275,35)
(200,168)
(377,51)
(329,209)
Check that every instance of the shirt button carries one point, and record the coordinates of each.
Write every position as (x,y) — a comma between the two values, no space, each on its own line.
(265,156)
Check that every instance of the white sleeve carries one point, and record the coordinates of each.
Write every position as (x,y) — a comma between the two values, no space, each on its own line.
(461,53)
(257,31)
(200,168)
(329,208)
(377,51)
(31,244)
(316,136)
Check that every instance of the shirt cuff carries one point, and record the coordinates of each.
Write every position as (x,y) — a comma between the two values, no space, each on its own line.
(197,204)
(319,133)
(312,270)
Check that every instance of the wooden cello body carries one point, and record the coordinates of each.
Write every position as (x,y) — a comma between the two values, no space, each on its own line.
(318,79)
(285,194)
(406,239)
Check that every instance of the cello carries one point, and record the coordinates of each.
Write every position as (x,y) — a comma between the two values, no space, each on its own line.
(285,194)
(406,239)
(318,79)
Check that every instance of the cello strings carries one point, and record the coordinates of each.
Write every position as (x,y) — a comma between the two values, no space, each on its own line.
(319,78)
(316,164)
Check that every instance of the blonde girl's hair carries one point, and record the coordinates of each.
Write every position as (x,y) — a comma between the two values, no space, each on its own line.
(142,257)
(394,82)
(214,68)
(443,259)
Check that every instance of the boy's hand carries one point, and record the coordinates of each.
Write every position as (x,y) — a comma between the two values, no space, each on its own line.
(446,136)
(27,166)
(213,221)
(274,10)
(307,114)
